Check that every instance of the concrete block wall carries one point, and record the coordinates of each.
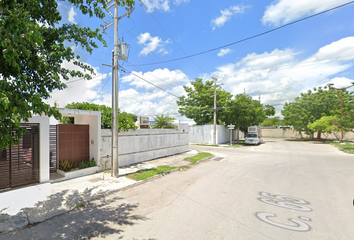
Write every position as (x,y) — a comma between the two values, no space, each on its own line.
(289,133)
(143,144)
(204,134)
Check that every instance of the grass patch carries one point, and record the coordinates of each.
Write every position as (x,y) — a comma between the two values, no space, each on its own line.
(198,157)
(144,174)
(208,145)
(241,143)
(344,146)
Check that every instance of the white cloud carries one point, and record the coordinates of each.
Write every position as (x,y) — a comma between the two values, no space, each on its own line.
(149,103)
(162,5)
(178,2)
(226,15)
(280,75)
(163,78)
(151,5)
(224,51)
(151,44)
(284,11)
(341,50)
(71,15)
(79,91)
(341,82)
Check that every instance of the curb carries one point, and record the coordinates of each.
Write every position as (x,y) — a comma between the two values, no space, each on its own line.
(24,216)
(159,176)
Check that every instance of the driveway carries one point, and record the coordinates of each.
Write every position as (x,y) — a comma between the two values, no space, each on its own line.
(278,190)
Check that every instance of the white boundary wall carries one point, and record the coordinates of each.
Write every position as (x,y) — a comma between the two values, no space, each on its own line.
(143,145)
(204,134)
(43,146)
(289,133)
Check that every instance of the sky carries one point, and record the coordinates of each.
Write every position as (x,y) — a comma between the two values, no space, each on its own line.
(274,67)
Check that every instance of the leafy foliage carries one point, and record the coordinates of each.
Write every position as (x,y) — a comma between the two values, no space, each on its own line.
(199,103)
(87,164)
(126,121)
(33,47)
(163,121)
(313,105)
(66,165)
(326,124)
(271,122)
(243,112)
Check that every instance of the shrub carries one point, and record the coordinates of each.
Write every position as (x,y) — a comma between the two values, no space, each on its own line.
(83,165)
(86,164)
(92,163)
(66,165)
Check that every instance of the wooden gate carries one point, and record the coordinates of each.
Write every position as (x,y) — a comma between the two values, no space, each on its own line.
(19,164)
(74,143)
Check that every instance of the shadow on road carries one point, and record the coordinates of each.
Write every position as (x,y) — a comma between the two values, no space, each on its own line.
(313,141)
(71,216)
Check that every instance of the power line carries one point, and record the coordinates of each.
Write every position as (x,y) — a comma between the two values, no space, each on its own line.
(149,82)
(251,37)
(101,90)
(80,79)
(171,37)
(131,64)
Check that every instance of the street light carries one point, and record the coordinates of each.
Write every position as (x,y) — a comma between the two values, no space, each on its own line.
(330,85)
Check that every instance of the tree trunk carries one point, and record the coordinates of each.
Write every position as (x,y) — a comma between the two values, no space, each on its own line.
(319,135)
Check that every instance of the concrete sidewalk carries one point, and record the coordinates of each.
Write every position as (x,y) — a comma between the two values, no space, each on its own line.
(35,204)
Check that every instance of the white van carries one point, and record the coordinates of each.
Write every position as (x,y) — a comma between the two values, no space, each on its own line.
(253,138)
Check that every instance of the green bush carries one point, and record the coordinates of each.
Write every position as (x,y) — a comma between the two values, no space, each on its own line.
(83,165)
(86,164)
(66,165)
(92,163)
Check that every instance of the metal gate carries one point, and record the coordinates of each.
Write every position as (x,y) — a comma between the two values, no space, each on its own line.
(53,148)
(19,165)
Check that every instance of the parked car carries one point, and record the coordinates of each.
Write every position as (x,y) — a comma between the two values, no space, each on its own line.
(253,139)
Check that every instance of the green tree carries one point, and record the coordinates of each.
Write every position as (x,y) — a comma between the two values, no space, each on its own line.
(271,122)
(199,102)
(314,105)
(243,112)
(126,121)
(33,46)
(326,124)
(163,122)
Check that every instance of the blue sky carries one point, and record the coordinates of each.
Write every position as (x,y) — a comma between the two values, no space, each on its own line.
(276,66)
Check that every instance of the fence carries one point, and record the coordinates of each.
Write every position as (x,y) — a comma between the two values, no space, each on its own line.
(144,144)
(204,134)
(19,165)
(289,133)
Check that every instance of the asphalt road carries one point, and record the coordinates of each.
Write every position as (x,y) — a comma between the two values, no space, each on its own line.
(279,190)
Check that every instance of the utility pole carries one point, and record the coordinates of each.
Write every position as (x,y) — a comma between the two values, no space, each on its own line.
(117,55)
(214,136)
(330,85)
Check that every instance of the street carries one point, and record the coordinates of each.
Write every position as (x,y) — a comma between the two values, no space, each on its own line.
(278,190)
